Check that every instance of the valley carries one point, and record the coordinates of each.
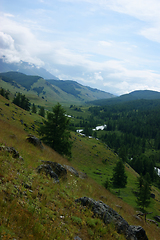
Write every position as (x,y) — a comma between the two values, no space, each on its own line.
(130,133)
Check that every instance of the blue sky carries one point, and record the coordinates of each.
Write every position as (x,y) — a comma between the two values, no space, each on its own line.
(112,45)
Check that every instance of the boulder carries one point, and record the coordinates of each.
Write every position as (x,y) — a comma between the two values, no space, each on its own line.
(157,218)
(72,170)
(57,168)
(12,150)
(139,232)
(108,215)
(35,141)
(46,168)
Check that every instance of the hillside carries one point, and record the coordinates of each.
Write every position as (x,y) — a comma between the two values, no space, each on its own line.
(32,206)
(133,96)
(40,91)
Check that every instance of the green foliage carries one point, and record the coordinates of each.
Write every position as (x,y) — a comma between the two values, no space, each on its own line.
(24,80)
(41,112)
(144,192)
(34,109)
(54,131)
(21,101)
(4,93)
(119,178)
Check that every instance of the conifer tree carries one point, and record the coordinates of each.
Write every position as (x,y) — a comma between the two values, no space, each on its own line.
(42,112)
(34,109)
(119,179)
(144,192)
(55,132)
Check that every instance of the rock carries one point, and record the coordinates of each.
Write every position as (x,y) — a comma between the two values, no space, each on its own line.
(72,170)
(57,168)
(35,141)
(139,232)
(108,215)
(46,168)
(77,238)
(83,175)
(12,150)
(157,218)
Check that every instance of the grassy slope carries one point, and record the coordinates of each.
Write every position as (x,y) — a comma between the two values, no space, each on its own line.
(48,211)
(69,92)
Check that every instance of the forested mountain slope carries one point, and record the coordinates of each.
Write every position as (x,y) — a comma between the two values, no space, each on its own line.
(135,95)
(66,92)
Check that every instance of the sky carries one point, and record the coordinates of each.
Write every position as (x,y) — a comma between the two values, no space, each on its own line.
(111,45)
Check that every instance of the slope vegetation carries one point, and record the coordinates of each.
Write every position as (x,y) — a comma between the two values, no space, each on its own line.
(35,87)
(33,206)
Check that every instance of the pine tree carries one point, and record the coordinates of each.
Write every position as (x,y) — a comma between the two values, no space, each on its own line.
(119,178)
(144,192)
(55,132)
(34,109)
(42,112)
(21,101)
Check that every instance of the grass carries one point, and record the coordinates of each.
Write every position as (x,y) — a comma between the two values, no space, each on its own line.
(46,210)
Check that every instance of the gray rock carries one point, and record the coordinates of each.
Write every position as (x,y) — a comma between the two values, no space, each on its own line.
(108,215)
(12,150)
(57,168)
(72,170)
(35,141)
(77,238)
(139,232)
(157,218)
(83,175)
(46,168)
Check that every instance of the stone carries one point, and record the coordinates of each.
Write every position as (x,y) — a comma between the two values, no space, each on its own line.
(157,218)
(12,150)
(83,175)
(108,215)
(71,170)
(57,168)
(46,168)
(139,232)
(35,141)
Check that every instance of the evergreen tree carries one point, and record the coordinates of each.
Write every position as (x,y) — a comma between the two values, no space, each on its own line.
(42,112)
(21,101)
(34,109)
(2,92)
(119,178)
(55,132)
(144,192)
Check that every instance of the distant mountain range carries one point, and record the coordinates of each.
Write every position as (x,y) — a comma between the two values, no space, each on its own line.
(36,87)
(135,95)
(26,68)
(34,81)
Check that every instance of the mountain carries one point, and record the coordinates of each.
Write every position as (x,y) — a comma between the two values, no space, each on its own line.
(135,95)
(36,87)
(26,68)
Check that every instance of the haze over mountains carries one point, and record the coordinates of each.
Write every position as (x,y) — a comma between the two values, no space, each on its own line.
(32,80)
(61,91)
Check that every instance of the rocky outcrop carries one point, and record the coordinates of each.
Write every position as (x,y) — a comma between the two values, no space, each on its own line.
(35,141)
(11,150)
(57,168)
(108,215)
(72,170)
(46,168)
(139,232)
(157,218)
